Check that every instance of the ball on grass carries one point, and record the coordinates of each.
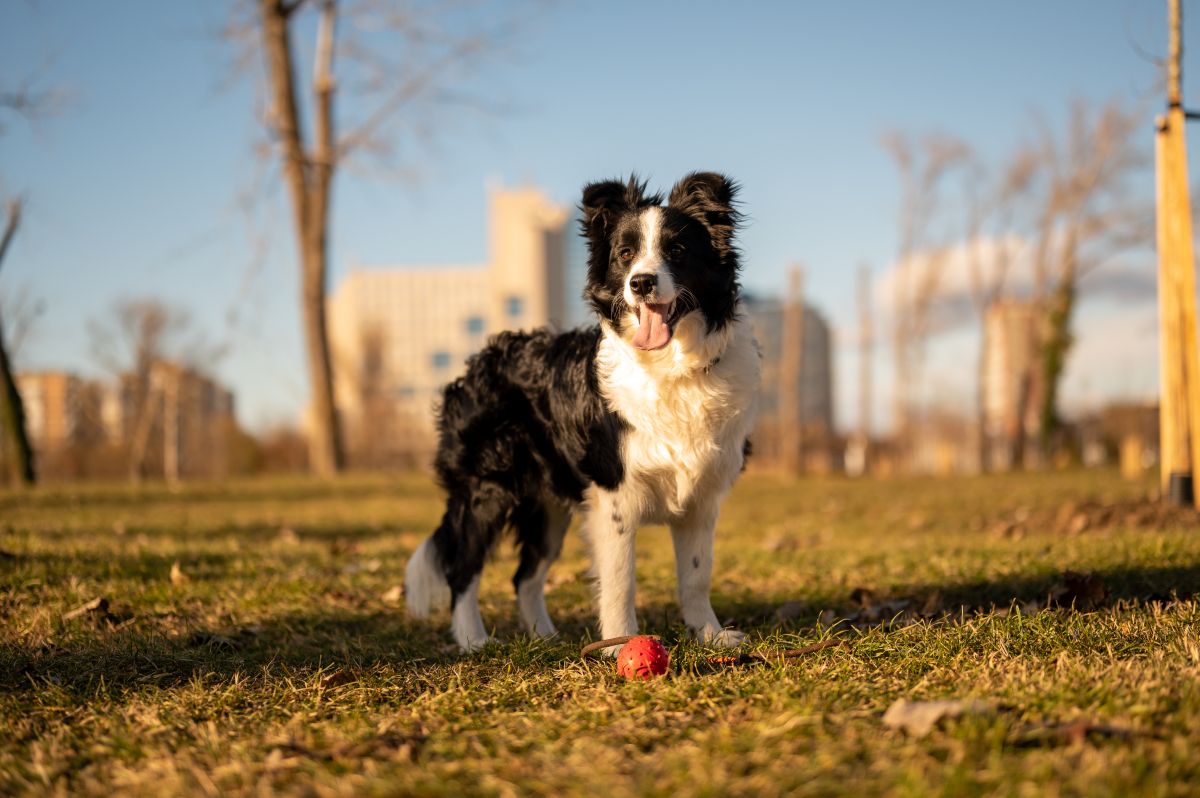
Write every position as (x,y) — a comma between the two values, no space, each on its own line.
(643,658)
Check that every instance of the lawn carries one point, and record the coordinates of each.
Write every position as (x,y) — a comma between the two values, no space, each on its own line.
(276,658)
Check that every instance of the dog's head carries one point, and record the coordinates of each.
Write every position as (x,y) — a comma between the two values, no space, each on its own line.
(657,271)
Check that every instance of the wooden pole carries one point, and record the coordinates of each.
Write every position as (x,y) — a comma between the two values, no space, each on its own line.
(1173,442)
(1179,352)
(791,353)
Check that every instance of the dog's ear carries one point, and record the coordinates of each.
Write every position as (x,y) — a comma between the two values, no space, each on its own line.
(603,202)
(709,198)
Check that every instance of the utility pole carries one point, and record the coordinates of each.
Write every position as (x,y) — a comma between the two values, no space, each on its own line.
(1179,402)
(791,354)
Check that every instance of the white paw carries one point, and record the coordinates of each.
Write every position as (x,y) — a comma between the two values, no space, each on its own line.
(726,638)
(611,652)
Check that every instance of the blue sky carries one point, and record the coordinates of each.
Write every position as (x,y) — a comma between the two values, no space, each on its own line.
(135,190)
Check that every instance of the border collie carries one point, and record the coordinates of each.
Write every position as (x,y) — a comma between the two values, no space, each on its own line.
(643,419)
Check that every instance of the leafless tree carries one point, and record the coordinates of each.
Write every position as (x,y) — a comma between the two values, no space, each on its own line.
(378,70)
(993,209)
(921,255)
(27,101)
(1087,215)
(135,336)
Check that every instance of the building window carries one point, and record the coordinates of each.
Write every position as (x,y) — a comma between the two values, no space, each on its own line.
(475,325)
(514,306)
(441,360)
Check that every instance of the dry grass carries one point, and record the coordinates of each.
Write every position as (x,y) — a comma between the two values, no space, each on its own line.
(273,662)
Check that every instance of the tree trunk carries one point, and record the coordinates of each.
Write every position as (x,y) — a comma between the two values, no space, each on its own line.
(12,410)
(308,180)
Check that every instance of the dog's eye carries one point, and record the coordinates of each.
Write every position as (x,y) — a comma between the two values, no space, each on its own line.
(625,254)
(675,251)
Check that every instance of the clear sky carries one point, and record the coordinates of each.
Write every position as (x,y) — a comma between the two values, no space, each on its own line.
(137,189)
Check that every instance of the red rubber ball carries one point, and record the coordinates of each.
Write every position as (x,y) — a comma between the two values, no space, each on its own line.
(643,658)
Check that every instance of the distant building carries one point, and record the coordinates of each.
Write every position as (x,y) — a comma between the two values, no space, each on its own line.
(816,380)
(1012,380)
(816,363)
(53,403)
(78,427)
(398,334)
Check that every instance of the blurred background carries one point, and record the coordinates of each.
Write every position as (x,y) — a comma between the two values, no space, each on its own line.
(949,249)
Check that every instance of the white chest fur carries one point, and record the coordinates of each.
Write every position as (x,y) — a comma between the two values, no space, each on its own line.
(687,423)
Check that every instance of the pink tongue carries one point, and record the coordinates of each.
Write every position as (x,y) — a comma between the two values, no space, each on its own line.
(652,331)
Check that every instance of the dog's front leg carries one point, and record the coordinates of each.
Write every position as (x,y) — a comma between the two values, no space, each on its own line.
(693,538)
(612,530)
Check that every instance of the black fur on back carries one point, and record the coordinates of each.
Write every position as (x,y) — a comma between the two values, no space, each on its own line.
(524,423)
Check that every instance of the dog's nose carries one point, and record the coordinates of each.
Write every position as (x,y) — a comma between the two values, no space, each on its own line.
(643,284)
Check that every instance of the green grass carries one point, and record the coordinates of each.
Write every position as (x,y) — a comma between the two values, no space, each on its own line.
(278,667)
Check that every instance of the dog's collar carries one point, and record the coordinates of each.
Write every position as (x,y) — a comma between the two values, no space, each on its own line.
(714,362)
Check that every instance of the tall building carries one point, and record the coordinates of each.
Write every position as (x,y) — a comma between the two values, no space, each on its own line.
(398,334)
(816,364)
(180,423)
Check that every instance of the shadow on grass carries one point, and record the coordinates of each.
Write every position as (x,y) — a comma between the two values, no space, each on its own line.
(364,636)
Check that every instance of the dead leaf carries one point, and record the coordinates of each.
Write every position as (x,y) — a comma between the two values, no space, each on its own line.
(918,718)
(343,546)
(790,610)
(338,678)
(1083,592)
(863,597)
(97,605)
(206,640)
(393,596)
(178,577)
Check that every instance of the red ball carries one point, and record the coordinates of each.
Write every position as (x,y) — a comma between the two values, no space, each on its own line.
(643,658)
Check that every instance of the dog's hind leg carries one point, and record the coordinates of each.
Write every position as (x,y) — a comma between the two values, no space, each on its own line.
(693,539)
(425,585)
(475,516)
(541,528)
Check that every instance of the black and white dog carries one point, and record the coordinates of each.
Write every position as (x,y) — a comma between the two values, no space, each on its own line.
(642,420)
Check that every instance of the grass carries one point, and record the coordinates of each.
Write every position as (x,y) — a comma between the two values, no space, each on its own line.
(275,664)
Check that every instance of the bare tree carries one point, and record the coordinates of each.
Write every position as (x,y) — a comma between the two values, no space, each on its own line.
(921,256)
(992,213)
(27,101)
(137,336)
(1087,215)
(394,60)
(12,411)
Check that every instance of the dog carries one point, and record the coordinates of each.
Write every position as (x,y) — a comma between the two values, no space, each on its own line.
(642,419)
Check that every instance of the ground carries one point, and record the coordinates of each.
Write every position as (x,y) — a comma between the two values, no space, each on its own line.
(276,658)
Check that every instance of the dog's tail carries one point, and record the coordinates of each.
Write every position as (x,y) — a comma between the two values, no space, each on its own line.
(425,585)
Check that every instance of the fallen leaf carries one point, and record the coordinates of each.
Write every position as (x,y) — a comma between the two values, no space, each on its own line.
(338,678)
(790,610)
(863,597)
(178,577)
(918,718)
(97,605)
(343,546)
(1084,592)
(393,596)
(206,640)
